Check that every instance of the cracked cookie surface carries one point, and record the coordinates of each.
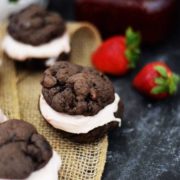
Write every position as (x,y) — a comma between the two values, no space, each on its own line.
(36,26)
(76,90)
(22,150)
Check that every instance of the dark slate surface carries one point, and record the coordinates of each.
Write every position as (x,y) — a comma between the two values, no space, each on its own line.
(147,147)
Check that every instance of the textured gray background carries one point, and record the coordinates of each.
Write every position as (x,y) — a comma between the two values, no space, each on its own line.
(147,147)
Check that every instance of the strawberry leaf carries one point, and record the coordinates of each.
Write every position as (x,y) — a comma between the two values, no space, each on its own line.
(165,83)
(158,90)
(173,83)
(172,87)
(162,71)
(176,78)
(133,41)
(131,55)
(160,81)
(133,38)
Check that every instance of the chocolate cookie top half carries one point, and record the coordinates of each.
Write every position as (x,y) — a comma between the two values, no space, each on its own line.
(35,26)
(22,150)
(76,90)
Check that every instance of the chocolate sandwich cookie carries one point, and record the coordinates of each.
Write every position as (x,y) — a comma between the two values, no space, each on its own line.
(25,154)
(36,34)
(79,101)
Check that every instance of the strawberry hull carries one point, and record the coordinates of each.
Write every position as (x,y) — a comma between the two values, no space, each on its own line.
(147,84)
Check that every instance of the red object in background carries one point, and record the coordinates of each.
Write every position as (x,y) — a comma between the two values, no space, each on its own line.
(156,80)
(153,18)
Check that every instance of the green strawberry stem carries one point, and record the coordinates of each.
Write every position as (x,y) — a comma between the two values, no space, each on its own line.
(133,41)
(165,83)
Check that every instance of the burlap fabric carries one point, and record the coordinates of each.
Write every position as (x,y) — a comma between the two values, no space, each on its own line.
(8,85)
(19,94)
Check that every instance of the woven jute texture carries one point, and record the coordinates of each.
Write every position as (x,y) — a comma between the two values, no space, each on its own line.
(8,91)
(19,94)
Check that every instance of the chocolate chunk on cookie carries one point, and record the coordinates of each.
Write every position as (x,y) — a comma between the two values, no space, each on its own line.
(35,26)
(22,150)
(76,90)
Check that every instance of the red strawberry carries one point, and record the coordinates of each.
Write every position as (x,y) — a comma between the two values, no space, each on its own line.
(156,80)
(118,54)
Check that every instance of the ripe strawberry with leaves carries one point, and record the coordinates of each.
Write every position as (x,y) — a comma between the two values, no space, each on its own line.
(118,54)
(157,80)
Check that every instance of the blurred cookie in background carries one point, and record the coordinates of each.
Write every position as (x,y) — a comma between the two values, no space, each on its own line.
(8,7)
(35,34)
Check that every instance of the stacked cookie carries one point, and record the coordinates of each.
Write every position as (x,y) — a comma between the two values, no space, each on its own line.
(37,34)
(79,101)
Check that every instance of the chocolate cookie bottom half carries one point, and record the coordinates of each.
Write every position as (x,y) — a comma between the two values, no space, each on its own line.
(97,133)
(92,136)
(38,64)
